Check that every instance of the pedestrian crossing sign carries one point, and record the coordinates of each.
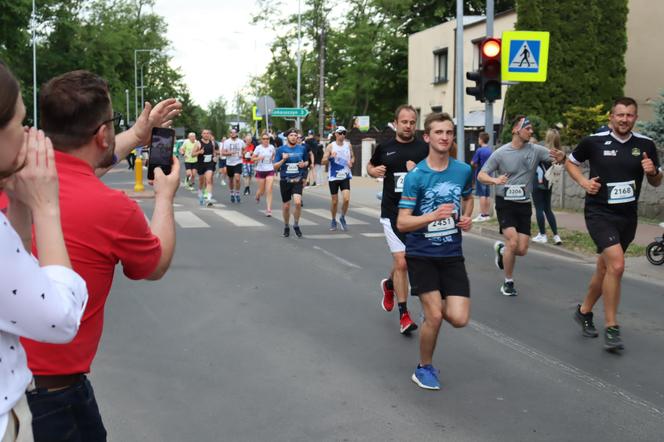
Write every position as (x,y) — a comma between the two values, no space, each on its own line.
(525,55)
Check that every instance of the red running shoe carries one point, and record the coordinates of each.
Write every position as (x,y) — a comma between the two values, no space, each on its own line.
(388,296)
(407,324)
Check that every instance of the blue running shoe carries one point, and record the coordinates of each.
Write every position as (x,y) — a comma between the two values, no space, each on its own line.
(426,377)
(232,198)
(200,200)
(342,221)
(237,198)
(333,225)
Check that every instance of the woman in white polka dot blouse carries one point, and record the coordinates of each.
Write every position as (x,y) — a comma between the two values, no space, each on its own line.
(42,300)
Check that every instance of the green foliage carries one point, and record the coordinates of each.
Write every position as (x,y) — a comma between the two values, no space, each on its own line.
(581,122)
(655,129)
(586,56)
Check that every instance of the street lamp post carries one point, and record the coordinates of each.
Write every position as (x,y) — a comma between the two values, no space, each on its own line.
(299,60)
(127,114)
(136,51)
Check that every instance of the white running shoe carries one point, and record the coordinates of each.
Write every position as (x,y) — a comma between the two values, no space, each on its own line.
(540,238)
(481,218)
(556,240)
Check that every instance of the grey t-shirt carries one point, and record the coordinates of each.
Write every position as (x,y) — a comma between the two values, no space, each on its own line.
(519,165)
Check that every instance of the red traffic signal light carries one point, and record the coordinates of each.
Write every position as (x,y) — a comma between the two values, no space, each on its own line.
(491,48)
(490,69)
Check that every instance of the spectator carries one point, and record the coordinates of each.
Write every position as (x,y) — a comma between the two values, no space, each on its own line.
(40,300)
(483,191)
(542,194)
(77,114)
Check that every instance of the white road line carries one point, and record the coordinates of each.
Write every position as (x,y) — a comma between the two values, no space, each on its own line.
(338,258)
(329,236)
(373,235)
(187,220)
(324,213)
(570,370)
(368,211)
(177,205)
(238,218)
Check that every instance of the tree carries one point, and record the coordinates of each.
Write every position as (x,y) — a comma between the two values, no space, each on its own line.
(655,128)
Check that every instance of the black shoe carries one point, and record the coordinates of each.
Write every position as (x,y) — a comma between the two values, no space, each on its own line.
(498,249)
(286,232)
(298,232)
(586,322)
(612,340)
(508,289)
(247,191)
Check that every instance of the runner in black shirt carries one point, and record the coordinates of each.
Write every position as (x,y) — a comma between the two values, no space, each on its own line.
(618,160)
(391,161)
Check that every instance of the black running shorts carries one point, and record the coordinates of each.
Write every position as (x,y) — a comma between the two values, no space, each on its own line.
(608,227)
(447,275)
(512,214)
(337,185)
(288,189)
(201,168)
(190,166)
(231,171)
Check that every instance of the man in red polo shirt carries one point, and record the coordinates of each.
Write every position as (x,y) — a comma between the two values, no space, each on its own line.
(100,231)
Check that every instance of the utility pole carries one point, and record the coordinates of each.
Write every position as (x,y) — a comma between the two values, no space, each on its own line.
(488,106)
(299,60)
(321,83)
(458,54)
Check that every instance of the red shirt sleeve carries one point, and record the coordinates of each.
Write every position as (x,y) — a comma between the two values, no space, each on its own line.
(137,248)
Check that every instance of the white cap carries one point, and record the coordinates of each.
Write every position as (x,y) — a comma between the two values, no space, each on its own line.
(340,129)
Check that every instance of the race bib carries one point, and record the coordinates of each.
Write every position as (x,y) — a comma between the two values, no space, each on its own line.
(341,175)
(207,158)
(399,178)
(247,155)
(442,227)
(292,168)
(515,192)
(623,192)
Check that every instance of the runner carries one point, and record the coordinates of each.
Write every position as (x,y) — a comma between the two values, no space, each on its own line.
(292,163)
(436,204)
(391,161)
(618,159)
(264,157)
(221,165)
(190,160)
(340,157)
(482,190)
(247,164)
(205,167)
(233,148)
(515,163)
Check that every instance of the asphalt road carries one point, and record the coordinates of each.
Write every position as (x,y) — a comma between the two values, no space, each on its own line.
(254,337)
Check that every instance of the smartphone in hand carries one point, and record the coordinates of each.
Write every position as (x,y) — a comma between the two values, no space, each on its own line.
(161,150)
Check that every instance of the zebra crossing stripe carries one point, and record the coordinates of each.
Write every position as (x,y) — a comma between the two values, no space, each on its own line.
(373,235)
(368,211)
(328,236)
(324,213)
(238,219)
(187,220)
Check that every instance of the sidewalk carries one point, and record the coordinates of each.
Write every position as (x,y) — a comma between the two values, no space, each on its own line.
(364,189)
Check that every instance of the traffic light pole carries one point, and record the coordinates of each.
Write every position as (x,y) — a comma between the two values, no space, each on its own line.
(488,106)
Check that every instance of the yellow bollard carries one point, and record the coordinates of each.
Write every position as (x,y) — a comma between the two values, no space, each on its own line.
(138,168)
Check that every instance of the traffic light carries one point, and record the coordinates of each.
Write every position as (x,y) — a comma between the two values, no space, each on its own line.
(490,70)
(488,78)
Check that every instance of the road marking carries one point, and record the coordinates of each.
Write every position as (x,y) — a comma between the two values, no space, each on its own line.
(187,220)
(373,235)
(329,236)
(177,205)
(570,370)
(324,213)
(338,258)
(238,218)
(368,211)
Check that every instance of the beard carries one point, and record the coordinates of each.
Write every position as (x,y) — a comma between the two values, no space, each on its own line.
(108,160)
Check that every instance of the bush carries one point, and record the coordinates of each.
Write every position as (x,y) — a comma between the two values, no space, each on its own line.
(581,122)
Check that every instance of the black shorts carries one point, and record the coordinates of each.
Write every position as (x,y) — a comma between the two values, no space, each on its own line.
(513,214)
(288,189)
(190,166)
(608,227)
(201,168)
(231,171)
(447,275)
(337,185)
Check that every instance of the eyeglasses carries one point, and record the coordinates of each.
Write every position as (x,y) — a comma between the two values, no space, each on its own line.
(341,133)
(117,117)
(265,138)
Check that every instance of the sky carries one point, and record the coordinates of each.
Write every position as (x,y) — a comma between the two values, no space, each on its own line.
(215,46)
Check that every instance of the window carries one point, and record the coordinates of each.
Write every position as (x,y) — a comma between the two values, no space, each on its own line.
(436,108)
(440,66)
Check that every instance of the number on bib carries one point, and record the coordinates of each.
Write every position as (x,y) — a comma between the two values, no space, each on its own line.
(207,158)
(399,178)
(341,175)
(621,192)
(292,168)
(515,192)
(442,227)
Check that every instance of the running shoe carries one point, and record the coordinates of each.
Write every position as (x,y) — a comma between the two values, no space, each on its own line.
(508,289)
(298,232)
(268,213)
(426,376)
(286,232)
(387,301)
(201,200)
(556,240)
(333,225)
(342,222)
(612,340)
(498,248)
(542,239)
(481,218)
(237,198)
(586,322)
(232,198)
(247,191)
(406,324)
